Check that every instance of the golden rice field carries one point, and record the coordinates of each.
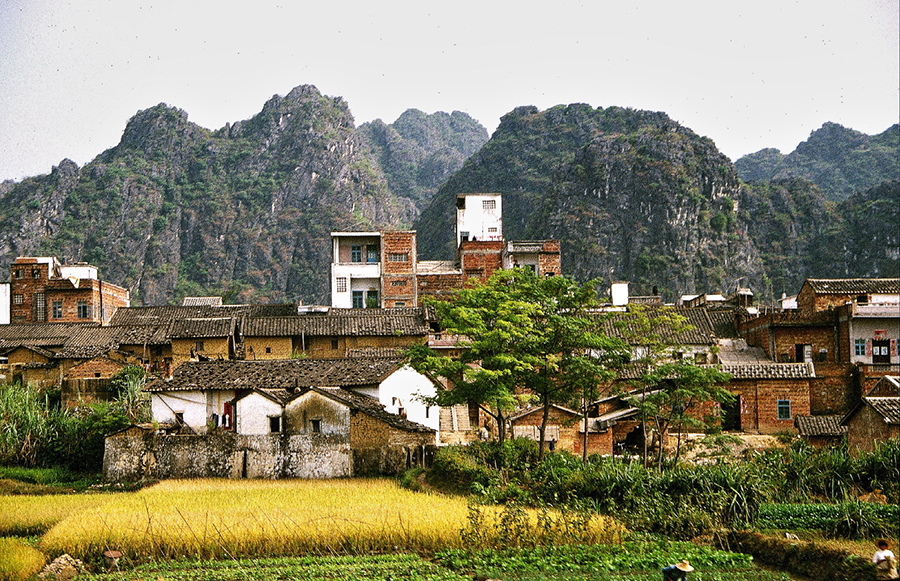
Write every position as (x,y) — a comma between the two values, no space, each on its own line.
(230,518)
(18,561)
(22,515)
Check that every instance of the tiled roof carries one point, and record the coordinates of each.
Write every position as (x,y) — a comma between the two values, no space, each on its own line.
(201,328)
(743,370)
(169,313)
(706,325)
(854,285)
(886,407)
(770,370)
(820,426)
(92,341)
(376,352)
(370,406)
(291,373)
(201,301)
(358,323)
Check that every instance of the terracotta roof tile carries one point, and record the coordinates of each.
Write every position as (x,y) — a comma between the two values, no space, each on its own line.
(290,373)
(854,285)
(820,425)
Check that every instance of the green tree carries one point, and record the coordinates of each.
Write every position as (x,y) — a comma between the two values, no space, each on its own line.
(520,333)
(678,392)
(496,331)
(667,391)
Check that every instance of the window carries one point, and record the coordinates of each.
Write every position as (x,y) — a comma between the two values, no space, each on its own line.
(84,310)
(18,299)
(20,274)
(398,283)
(57,310)
(268,350)
(274,424)
(358,300)
(398,304)
(488,204)
(371,299)
(492,230)
(97,374)
(371,254)
(784,409)
(36,273)
(340,284)
(179,418)
(397,257)
(315,426)
(859,347)
(39,306)
(464,236)
(461,203)
(198,346)
(356,253)
(334,343)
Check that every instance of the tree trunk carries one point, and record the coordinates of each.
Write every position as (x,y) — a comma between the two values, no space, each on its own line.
(543,428)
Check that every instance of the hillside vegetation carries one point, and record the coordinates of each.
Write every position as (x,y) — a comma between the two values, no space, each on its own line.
(245,211)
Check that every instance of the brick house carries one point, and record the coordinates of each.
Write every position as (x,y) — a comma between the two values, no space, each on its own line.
(848,328)
(381,269)
(821,431)
(565,428)
(44,291)
(876,417)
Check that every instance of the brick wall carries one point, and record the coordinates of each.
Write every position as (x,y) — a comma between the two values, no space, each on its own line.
(759,405)
(819,337)
(214,347)
(438,286)
(480,259)
(259,348)
(29,278)
(98,367)
(398,277)
(833,390)
(550,261)
(866,428)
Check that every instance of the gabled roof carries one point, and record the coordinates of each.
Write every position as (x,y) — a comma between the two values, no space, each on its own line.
(707,325)
(287,374)
(33,348)
(886,407)
(820,425)
(201,328)
(840,286)
(530,410)
(369,406)
(167,314)
(770,370)
(336,323)
(43,334)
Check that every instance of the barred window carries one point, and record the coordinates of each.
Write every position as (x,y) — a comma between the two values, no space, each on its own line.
(18,299)
(398,283)
(39,306)
(489,204)
(784,409)
(84,310)
(398,257)
(341,284)
(399,304)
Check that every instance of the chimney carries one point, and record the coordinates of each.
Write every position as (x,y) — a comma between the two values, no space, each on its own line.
(618,292)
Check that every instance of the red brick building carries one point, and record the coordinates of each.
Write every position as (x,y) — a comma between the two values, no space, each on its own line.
(44,291)
(381,269)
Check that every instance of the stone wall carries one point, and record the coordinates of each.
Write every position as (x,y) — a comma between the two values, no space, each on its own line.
(129,456)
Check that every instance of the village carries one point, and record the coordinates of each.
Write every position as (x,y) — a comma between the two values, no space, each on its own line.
(322,391)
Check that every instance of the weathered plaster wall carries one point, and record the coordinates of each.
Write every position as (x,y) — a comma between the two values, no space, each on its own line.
(252,414)
(226,455)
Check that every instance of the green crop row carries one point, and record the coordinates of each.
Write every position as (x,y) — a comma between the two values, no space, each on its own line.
(851,519)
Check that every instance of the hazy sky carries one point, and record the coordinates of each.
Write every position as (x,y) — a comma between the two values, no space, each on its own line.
(751,74)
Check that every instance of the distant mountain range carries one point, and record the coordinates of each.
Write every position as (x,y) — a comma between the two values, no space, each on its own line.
(245,211)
